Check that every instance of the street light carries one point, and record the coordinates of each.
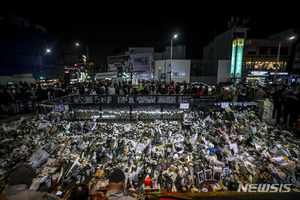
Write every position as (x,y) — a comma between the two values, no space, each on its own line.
(174,37)
(40,58)
(87,52)
(278,53)
(291,37)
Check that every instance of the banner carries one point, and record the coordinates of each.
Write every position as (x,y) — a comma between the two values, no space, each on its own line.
(239,58)
(134,63)
(233,59)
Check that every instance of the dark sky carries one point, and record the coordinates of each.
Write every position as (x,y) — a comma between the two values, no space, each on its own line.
(106,32)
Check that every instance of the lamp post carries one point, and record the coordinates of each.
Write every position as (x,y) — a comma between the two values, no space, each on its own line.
(278,54)
(87,52)
(174,37)
(86,68)
(40,59)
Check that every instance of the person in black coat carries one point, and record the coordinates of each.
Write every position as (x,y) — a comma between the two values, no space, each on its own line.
(277,101)
(9,102)
(125,89)
(292,106)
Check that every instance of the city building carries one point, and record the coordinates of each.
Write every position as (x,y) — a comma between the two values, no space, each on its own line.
(261,60)
(260,57)
(178,52)
(146,65)
(75,67)
(217,50)
(23,51)
(132,68)
(180,70)
(291,36)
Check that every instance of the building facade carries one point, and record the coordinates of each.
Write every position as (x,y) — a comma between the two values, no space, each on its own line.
(23,50)
(178,52)
(220,49)
(158,67)
(261,60)
(180,70)
(260,56)
(293,64)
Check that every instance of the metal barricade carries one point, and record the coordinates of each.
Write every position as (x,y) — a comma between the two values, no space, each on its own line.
(124,108)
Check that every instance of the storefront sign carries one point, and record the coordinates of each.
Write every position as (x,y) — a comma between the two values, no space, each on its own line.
(233,59)
(258,73)
(279,73)
(239,58)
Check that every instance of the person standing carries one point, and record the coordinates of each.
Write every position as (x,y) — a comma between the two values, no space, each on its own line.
(251,92)
(225,95)
(242,93)
(171,89)
(9,102)
(292,106)
(24,98)
(111,90)
(16,95)
(234,94)
(147,88)
(153,88)
(117,186)
(205,90)
(33,97)
(285,102)
(142,88)
(116,86)
(125,89)
(259,93)
(102,89)
(277,101)
(19,181)
(199,90)
(177,89)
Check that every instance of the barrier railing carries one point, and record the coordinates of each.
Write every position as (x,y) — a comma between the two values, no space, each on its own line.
(123,108)
(131,99)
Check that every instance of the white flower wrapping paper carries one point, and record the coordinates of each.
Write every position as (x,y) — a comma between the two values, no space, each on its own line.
(163,150)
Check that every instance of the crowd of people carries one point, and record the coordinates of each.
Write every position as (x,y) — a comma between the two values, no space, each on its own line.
(286,100)
(22,97)
(147,88)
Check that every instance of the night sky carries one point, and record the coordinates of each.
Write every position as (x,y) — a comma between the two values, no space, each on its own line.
(109,32)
